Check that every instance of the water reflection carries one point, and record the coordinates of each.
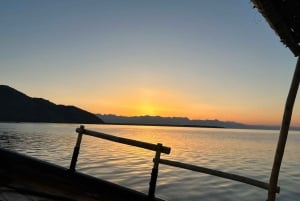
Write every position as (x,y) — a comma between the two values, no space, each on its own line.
(245,152)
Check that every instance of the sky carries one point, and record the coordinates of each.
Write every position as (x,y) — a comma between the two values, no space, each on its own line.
(194,58)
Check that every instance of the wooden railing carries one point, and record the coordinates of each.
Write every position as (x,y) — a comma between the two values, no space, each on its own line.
(217,173)
(159,148)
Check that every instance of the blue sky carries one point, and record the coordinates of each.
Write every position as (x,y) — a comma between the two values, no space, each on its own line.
(200,59)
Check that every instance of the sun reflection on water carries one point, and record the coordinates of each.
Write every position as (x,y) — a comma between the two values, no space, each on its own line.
(245,152)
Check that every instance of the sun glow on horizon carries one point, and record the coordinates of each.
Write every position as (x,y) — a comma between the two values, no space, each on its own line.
(165,102)
(148,109)
(131,107)
(118,58)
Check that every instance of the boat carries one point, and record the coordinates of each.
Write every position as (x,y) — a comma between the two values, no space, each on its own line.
(29,178)
(21,175)
(26,178)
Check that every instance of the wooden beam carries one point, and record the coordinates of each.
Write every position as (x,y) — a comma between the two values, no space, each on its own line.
(122,140)
(76,152)
(226,175)
(286,120)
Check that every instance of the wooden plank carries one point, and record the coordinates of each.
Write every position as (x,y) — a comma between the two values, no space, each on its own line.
(76,152)
(122,140)
(154,172)
(286,120)
(234,177)
(47,179)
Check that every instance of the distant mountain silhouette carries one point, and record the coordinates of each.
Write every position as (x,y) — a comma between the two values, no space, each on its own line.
(18,107)
(167,121)
(181,121)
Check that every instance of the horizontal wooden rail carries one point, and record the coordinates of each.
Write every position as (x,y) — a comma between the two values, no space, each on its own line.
(122,140)
(235,177)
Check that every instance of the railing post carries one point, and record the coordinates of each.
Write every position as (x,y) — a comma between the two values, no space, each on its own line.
(284,131)
(154,172)
(76,150)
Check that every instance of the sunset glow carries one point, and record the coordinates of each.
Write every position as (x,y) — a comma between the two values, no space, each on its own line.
(147,109)
(148,58)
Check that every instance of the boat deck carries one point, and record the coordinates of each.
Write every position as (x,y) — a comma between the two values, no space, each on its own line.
(18,194)
(26,178)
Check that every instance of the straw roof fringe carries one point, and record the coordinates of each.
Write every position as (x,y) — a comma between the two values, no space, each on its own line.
(284,18)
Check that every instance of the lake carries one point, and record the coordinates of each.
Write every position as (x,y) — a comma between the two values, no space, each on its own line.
(245,152)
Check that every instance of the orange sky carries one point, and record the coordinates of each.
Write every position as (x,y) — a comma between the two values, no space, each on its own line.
(149,57)
(172,103)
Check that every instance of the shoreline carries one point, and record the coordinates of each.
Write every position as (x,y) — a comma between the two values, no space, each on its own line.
(164,125)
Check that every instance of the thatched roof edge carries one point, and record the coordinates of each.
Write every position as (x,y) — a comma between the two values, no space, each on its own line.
(275,16)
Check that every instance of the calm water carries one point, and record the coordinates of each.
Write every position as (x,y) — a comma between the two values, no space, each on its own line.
(246,152)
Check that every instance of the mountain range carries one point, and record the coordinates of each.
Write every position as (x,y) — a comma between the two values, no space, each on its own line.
(162,121)
(157,120)
(18,107)
(180,121)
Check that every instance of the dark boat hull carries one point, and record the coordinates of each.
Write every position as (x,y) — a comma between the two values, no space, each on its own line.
(33,176)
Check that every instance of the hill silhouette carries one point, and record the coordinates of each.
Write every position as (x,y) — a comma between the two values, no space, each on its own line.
(18,107)
(181,121)
(167,121)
